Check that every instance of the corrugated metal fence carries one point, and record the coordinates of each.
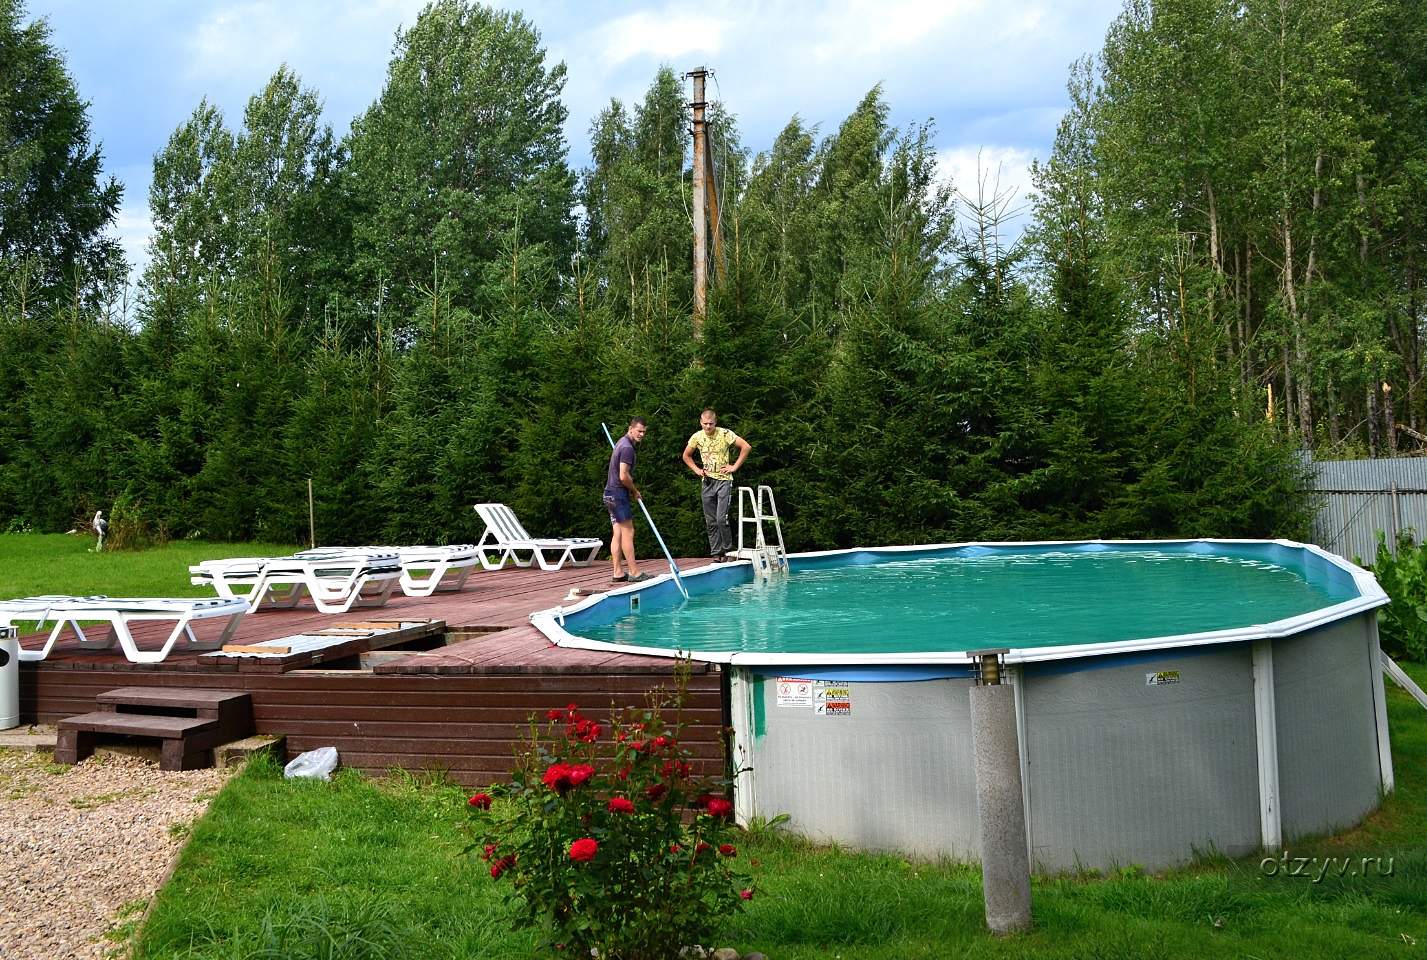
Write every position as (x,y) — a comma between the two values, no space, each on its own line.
(1360,498)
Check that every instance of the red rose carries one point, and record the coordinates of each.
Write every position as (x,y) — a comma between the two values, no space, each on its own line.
(621,805)
(656,790)
(700,848)
(488,851)
(718,807)
(639,746)
(746,894)
(481,801)
(501,866)
(660,742)
(556,777)
(674,848)
(579,773)
(554,715)
(728,850)
(584,849)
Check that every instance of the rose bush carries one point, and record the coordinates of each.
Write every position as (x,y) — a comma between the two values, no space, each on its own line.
(611,841)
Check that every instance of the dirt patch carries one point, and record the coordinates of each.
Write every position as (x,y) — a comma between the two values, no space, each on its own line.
(83,848)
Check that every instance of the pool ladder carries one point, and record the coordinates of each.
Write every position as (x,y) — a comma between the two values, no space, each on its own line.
(769,558)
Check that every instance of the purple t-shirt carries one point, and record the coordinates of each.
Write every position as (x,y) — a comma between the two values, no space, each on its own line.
(623,453)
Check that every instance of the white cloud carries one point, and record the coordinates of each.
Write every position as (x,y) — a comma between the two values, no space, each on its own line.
(132,228)
(243,44)
(882,27)
(992,174)
(340,49)
(659,36)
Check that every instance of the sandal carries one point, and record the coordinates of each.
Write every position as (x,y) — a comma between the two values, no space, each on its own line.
(641,578)
(622,578)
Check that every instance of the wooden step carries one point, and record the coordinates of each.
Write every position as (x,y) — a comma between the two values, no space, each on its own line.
(139,725)
(193,698)
(189,722)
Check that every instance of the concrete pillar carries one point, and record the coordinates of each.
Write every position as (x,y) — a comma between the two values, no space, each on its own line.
(1000,807)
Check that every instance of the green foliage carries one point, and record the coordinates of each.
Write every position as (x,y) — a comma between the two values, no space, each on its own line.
(399,317)
(1241,170)
(592,837)
(1402,573)
(54,208)
(463,147)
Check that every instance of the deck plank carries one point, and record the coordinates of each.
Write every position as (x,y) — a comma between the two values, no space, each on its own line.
(499,601)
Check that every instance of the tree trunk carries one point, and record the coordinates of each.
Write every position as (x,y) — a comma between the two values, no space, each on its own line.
(1335,432)
(1389,423)
(1372,419)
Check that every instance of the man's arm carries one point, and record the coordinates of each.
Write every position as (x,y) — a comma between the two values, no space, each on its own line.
(626,480)
(743,449)
(689,459)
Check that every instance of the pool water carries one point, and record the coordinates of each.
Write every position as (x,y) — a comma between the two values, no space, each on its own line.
(986,598)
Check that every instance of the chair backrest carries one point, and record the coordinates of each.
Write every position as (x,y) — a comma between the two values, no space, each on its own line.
(502,522)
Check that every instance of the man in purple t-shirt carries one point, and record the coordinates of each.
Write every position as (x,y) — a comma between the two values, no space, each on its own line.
(618,489)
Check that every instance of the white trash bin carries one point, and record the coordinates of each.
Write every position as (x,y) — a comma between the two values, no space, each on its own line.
(9,677)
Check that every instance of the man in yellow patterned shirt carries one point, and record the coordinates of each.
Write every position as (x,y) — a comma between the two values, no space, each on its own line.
(714,443)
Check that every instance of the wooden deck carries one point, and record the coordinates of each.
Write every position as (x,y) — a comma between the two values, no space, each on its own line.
(458,707)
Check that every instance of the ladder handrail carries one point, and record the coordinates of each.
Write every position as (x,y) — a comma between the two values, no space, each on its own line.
(763,556)
(777,523)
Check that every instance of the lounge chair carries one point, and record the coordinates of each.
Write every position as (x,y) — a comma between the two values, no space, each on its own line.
(336,579)
(119,613)
(508,540)
(424,570)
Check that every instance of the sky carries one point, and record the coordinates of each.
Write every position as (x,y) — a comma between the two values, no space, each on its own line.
(990,74)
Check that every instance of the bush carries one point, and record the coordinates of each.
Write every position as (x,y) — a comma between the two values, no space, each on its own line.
(608,840)
(1402,624)
(129,526)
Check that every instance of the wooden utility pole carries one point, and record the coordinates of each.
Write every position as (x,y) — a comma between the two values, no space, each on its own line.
(701,257)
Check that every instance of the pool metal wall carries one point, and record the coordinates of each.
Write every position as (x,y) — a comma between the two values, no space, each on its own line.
(1125,771)
(898,774)
(1119,770)
(1328,758)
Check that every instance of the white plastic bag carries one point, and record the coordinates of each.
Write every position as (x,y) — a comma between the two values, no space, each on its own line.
(317,764)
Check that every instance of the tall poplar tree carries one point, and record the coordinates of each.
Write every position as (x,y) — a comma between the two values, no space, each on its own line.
(463,148)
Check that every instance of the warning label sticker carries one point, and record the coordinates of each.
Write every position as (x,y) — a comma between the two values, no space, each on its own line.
(1161,677)
(794,692)
(832,699)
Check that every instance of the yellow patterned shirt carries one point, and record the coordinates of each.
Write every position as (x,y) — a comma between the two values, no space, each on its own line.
(715,451)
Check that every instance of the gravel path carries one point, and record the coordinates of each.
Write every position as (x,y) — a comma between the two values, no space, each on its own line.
(83,848)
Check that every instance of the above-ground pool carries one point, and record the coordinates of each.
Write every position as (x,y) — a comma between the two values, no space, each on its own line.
(1173,697)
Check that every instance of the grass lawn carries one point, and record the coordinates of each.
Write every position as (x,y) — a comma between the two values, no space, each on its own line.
(34,564)
(359,868)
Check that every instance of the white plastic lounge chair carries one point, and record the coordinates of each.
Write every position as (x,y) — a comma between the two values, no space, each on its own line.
(508,540)
(424,570)
(119,613)
(336,579)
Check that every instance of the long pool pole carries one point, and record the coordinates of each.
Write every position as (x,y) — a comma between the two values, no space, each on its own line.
(673,567)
